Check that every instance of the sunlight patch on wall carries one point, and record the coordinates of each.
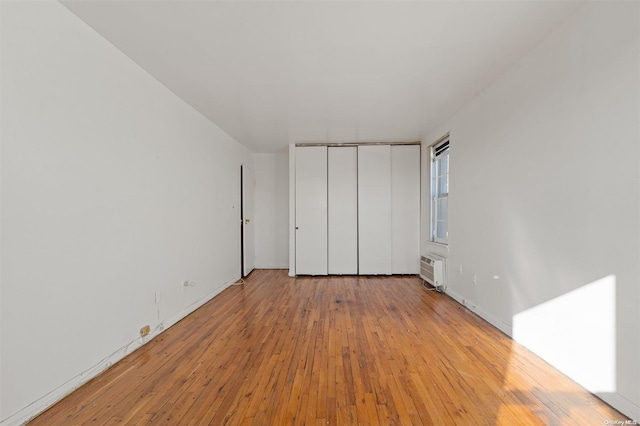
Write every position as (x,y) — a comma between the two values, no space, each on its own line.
(576,333)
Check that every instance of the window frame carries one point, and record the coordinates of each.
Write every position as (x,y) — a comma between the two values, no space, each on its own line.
(437,151)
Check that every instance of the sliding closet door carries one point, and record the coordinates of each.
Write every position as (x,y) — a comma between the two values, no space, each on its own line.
(374,209)
(405,209)
(311,210)
(343,210)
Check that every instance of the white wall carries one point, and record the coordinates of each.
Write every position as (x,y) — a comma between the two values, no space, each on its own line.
(113,189)
(544,203)
(272,210)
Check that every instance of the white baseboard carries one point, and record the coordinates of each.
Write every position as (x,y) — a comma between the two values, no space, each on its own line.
(38,406)
(454,295)
(272,266)
(621,404)
(473,307)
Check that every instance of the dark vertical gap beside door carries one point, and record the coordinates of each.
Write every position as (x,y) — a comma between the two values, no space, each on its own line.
(242,266)
(357,216)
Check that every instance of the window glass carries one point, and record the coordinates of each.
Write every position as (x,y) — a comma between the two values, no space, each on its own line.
(440,191)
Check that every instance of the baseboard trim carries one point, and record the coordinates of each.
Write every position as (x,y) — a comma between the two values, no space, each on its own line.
(272,267)
(621,404)
(40,405)
(473,307)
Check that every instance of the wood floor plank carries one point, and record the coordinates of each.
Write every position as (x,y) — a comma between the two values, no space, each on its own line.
(330,351)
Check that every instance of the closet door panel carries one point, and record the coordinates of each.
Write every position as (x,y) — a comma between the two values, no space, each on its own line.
(374,209)
(311,210)
(405,209)
(343,210)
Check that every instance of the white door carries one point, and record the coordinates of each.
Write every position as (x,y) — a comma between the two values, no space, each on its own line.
(311,210)
(405,209)
(374,209)
(343,210)
(248,238)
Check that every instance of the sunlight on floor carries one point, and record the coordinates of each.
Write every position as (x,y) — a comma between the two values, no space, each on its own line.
(512,414)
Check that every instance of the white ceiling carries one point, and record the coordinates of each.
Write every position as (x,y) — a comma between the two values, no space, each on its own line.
(271,73)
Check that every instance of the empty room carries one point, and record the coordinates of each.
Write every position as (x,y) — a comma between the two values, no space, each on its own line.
(319,212)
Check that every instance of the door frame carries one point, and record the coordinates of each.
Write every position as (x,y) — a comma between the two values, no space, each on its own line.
(242,248)
(245,248)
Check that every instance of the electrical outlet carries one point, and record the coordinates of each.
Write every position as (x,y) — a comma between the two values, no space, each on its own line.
(460,269)
(145,330)
(157,297)
(475,279)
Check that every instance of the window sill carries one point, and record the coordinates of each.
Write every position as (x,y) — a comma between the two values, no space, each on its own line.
(434,247)
(438,243)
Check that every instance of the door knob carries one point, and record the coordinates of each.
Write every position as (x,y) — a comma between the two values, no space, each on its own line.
(247,220)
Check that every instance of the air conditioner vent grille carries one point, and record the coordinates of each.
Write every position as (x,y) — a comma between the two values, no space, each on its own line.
(432,270)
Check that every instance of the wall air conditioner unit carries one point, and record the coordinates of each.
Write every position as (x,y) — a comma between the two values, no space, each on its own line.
(432,270)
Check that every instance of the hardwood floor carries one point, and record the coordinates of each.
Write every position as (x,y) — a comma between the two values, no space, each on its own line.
(336,351)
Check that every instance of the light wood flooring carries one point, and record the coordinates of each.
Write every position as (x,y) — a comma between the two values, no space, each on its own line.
(330,351)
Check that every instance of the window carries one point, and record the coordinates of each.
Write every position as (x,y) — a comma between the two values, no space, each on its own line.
(440,191)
